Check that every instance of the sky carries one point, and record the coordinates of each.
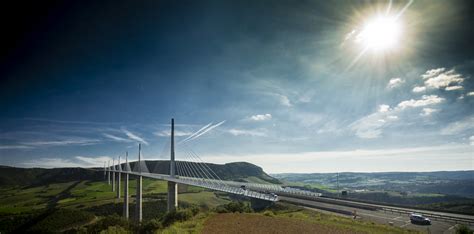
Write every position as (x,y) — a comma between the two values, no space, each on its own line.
(292,86)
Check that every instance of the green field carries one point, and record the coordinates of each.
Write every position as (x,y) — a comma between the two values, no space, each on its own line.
(86,206)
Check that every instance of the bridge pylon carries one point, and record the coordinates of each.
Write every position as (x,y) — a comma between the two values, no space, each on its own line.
(172,186)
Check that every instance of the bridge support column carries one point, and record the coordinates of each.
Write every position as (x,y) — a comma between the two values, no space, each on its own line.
(108,172)
(172,196)
(113,181)
(138,209)
(113,175)
(125,197)
(119,175)
(125,188)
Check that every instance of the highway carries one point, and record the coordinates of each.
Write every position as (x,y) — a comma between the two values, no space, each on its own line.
(378,215)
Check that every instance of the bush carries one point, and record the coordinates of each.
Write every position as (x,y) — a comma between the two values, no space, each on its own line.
(62,219)
(151,226)
(463,229)
(268,213)
(238,207)
(178,215)
(114,230)
(108,221)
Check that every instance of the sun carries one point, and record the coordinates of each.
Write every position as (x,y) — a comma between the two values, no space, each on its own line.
(381,33)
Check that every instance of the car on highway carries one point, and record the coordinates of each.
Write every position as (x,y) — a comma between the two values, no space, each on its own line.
(419,219)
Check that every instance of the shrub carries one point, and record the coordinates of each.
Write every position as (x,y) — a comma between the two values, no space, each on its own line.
(463,229)
(62,219)
(178,215)
(238,207)
(151,226)
(268,213)
(108,221)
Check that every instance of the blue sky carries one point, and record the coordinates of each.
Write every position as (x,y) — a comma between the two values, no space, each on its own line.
(85,83)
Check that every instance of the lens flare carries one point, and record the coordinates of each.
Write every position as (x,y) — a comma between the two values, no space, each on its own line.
(380,34)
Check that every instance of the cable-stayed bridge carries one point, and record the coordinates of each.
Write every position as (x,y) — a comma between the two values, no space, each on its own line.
(189,171)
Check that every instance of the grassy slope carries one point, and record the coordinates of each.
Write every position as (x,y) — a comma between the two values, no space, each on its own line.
(91,194)
(278,221)
(87,194)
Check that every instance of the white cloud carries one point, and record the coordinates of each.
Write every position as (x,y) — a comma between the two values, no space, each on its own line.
(428,111)
(92,162)
(419,89)
(177,133)
(244,132)
(470,94)
(424,101)
(134,137)
(78,141)
(331,126)
(395,82)
(7,147)
(371,126)
(260,117)
(116,138)
(78,161)
(384,108)
(433,72)
(457,127)
(471,140)
(456,87)
(429,158)
(392,117)
(284,100)
(439,78)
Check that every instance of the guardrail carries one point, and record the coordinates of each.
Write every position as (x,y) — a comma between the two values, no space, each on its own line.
(433,216)
(369,206)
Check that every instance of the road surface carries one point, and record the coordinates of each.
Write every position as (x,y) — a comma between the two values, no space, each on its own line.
(378,216)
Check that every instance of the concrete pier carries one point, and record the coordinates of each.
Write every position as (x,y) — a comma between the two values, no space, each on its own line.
(172,196)
(113,176)
(108,172)
(125,191)
(119,175)
(138,209)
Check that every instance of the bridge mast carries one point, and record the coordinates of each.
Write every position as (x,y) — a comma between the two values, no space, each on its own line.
(172,186)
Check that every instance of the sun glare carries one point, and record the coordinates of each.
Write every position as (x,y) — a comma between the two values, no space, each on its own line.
(380,34)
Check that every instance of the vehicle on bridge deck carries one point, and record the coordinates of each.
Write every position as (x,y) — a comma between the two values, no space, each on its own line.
(419,219)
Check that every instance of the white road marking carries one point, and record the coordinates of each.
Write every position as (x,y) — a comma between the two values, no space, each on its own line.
(404,225)
(452,227)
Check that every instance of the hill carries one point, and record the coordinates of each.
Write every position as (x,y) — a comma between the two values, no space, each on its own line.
(442,190)
(459,183)
(13,176)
